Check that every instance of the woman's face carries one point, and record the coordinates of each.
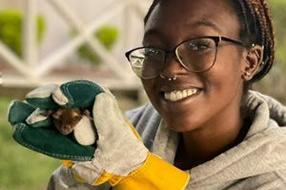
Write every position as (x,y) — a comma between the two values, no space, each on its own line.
(220,88)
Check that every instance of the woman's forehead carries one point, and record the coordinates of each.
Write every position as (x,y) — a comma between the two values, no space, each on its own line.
(195,16)
(185,5)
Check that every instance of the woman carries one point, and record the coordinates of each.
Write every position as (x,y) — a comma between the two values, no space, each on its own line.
(197,64)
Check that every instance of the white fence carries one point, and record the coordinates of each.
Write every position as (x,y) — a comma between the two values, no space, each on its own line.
(35,68)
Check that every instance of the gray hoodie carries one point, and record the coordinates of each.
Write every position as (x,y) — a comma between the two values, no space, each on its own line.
(257,163)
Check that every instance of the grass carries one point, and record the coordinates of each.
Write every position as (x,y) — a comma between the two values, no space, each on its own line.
(20,168)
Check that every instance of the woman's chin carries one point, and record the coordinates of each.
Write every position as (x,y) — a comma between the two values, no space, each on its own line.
(180,127)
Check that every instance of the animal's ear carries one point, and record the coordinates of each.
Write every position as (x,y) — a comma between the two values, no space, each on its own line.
(56,115)
(75,113)
(253,60)
(77,118)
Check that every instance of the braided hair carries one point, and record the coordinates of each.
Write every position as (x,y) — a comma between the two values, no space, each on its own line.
(257,28)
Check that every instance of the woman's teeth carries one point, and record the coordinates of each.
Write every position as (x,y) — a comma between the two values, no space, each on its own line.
(177,95)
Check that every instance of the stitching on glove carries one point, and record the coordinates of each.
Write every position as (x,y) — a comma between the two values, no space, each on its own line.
(62,156)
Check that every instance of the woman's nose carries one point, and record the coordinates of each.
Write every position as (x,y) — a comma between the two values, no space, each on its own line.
(172,66)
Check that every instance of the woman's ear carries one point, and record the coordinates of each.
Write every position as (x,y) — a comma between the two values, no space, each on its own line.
(252,62)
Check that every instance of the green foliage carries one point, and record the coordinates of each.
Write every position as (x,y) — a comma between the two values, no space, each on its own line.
(21,168)
(107,35)
(11,22)
(279,17)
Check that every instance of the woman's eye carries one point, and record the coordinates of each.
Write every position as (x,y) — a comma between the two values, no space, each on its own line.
(152,52)
(199,45)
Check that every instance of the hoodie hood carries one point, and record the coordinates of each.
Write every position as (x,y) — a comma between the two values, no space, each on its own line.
(277,111)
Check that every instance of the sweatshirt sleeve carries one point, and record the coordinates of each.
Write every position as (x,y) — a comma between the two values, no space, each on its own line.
(62,179)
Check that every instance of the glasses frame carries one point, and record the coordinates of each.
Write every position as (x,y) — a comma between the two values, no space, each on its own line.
(217,40)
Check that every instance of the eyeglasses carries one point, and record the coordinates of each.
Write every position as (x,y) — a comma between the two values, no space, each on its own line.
(195,55)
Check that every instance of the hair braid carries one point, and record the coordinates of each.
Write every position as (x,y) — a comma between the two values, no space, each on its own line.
(154,3)
(263,30)
(270,40)
(244,15)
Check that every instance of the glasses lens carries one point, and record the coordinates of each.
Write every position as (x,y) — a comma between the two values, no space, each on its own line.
(147,62)
(198,54)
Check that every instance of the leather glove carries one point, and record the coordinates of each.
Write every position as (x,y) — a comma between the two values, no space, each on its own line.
(119,156)
(34,127)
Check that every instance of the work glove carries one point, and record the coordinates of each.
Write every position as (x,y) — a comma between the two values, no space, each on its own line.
(120,157)
(34,126)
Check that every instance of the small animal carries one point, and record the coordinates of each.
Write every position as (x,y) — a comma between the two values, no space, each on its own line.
(65,120)
(76,121)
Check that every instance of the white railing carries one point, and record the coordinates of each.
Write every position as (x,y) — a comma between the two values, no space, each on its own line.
(34,71)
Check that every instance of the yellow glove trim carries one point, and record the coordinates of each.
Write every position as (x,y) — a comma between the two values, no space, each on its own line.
(104,177)
(107,177)
(155,174)
(68,163)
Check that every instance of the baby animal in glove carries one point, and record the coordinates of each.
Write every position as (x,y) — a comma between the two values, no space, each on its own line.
(75,121)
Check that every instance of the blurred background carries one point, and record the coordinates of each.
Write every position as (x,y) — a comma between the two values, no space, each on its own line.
(54,41)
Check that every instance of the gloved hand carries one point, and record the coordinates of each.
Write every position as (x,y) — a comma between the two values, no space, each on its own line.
(120,157)
(33,123)
(119,149)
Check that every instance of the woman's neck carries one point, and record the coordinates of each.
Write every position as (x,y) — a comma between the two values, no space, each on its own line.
(205,143)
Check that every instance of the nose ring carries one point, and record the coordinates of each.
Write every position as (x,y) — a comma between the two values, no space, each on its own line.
(173,78)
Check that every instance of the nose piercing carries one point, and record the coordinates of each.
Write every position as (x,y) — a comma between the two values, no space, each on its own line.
(247,74)
(168,78)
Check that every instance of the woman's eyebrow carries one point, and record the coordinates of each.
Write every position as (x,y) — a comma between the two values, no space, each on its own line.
(207,23)
(153,32)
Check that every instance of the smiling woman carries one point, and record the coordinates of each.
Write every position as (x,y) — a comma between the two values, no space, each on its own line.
(217,69)
(197,64)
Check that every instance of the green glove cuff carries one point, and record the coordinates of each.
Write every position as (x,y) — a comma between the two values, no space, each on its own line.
(43,136)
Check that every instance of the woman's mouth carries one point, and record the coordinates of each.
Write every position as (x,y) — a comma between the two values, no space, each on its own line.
(177,95)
